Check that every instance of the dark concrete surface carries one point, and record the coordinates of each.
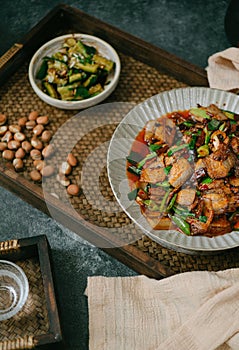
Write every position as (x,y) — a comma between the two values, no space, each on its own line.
(192,30)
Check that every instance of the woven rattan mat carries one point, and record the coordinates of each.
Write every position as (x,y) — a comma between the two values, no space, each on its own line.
(32,320)
(138,82)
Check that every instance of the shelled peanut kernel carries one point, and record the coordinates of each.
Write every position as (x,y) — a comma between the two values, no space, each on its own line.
(35,175)
(3,119)
(33,115)
(65,170)
(47,171)
(18,163)
(16,144)
(71,159)
(73,190)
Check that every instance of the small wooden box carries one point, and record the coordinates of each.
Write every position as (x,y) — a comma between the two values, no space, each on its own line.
(37,325)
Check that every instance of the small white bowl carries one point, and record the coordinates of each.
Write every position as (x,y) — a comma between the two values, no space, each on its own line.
(103,48)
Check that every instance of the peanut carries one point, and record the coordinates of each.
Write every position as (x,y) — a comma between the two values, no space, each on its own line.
(20,153)
(36,143)
(26,146)
(22,121)
(35,175)
(33,115)
(65,168)
(3,129)
(18,163)
(46,136)
(71,159)
(48,170)
(73,190)
(48,151)
(19,136)
(3,119)
(13,144)
(8,154)
(39,164)
(63,180)
(44,120)
(35,154)
(14,128)
(7,136)
(3,146)
(38,129)
(30,124)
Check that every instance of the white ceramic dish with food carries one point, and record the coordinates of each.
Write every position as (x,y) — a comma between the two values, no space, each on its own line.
(121,144)
(48,49)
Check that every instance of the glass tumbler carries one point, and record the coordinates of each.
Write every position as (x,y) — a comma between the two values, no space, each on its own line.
(14,289)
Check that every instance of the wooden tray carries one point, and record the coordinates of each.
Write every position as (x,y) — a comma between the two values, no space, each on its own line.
(146,70)
(37,324)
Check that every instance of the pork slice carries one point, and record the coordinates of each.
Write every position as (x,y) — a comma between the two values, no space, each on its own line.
(217,169)
(153,175)
(186,197)
(165,131)
(180,172)
(219,202)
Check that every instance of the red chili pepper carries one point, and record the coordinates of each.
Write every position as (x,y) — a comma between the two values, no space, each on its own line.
(203,187)
(236,225)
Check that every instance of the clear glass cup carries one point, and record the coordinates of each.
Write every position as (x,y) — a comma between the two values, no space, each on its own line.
(14,289)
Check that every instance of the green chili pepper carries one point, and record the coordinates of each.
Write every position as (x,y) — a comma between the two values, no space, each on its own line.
(181,224)
(171,203)
(187,123)
(203,151)
(213,124)
(233,215)
(154,147)
(148,157)
(176,149)
(207,135)
(221,127)
(199,112)
(132,169)
(167,169)
(164,200)
(192,142)
(163,184)
(207,180)
(182,212)
(229,114)
(202,218)
(152,206)
(133,194)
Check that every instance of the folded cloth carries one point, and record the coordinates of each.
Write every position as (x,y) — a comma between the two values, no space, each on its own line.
(223,69)
(189,311)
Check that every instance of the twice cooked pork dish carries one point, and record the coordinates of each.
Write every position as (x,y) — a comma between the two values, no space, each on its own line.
(183,170)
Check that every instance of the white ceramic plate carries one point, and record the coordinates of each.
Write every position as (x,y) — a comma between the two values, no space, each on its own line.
(51,47)
(121,143)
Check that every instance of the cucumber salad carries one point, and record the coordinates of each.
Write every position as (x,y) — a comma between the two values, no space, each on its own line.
(75,72)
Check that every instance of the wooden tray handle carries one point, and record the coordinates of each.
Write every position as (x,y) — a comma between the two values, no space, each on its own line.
(18,344)
(9,54)
(9,245)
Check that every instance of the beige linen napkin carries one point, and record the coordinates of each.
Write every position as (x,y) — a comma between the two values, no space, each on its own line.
(190,311)
(223,69)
